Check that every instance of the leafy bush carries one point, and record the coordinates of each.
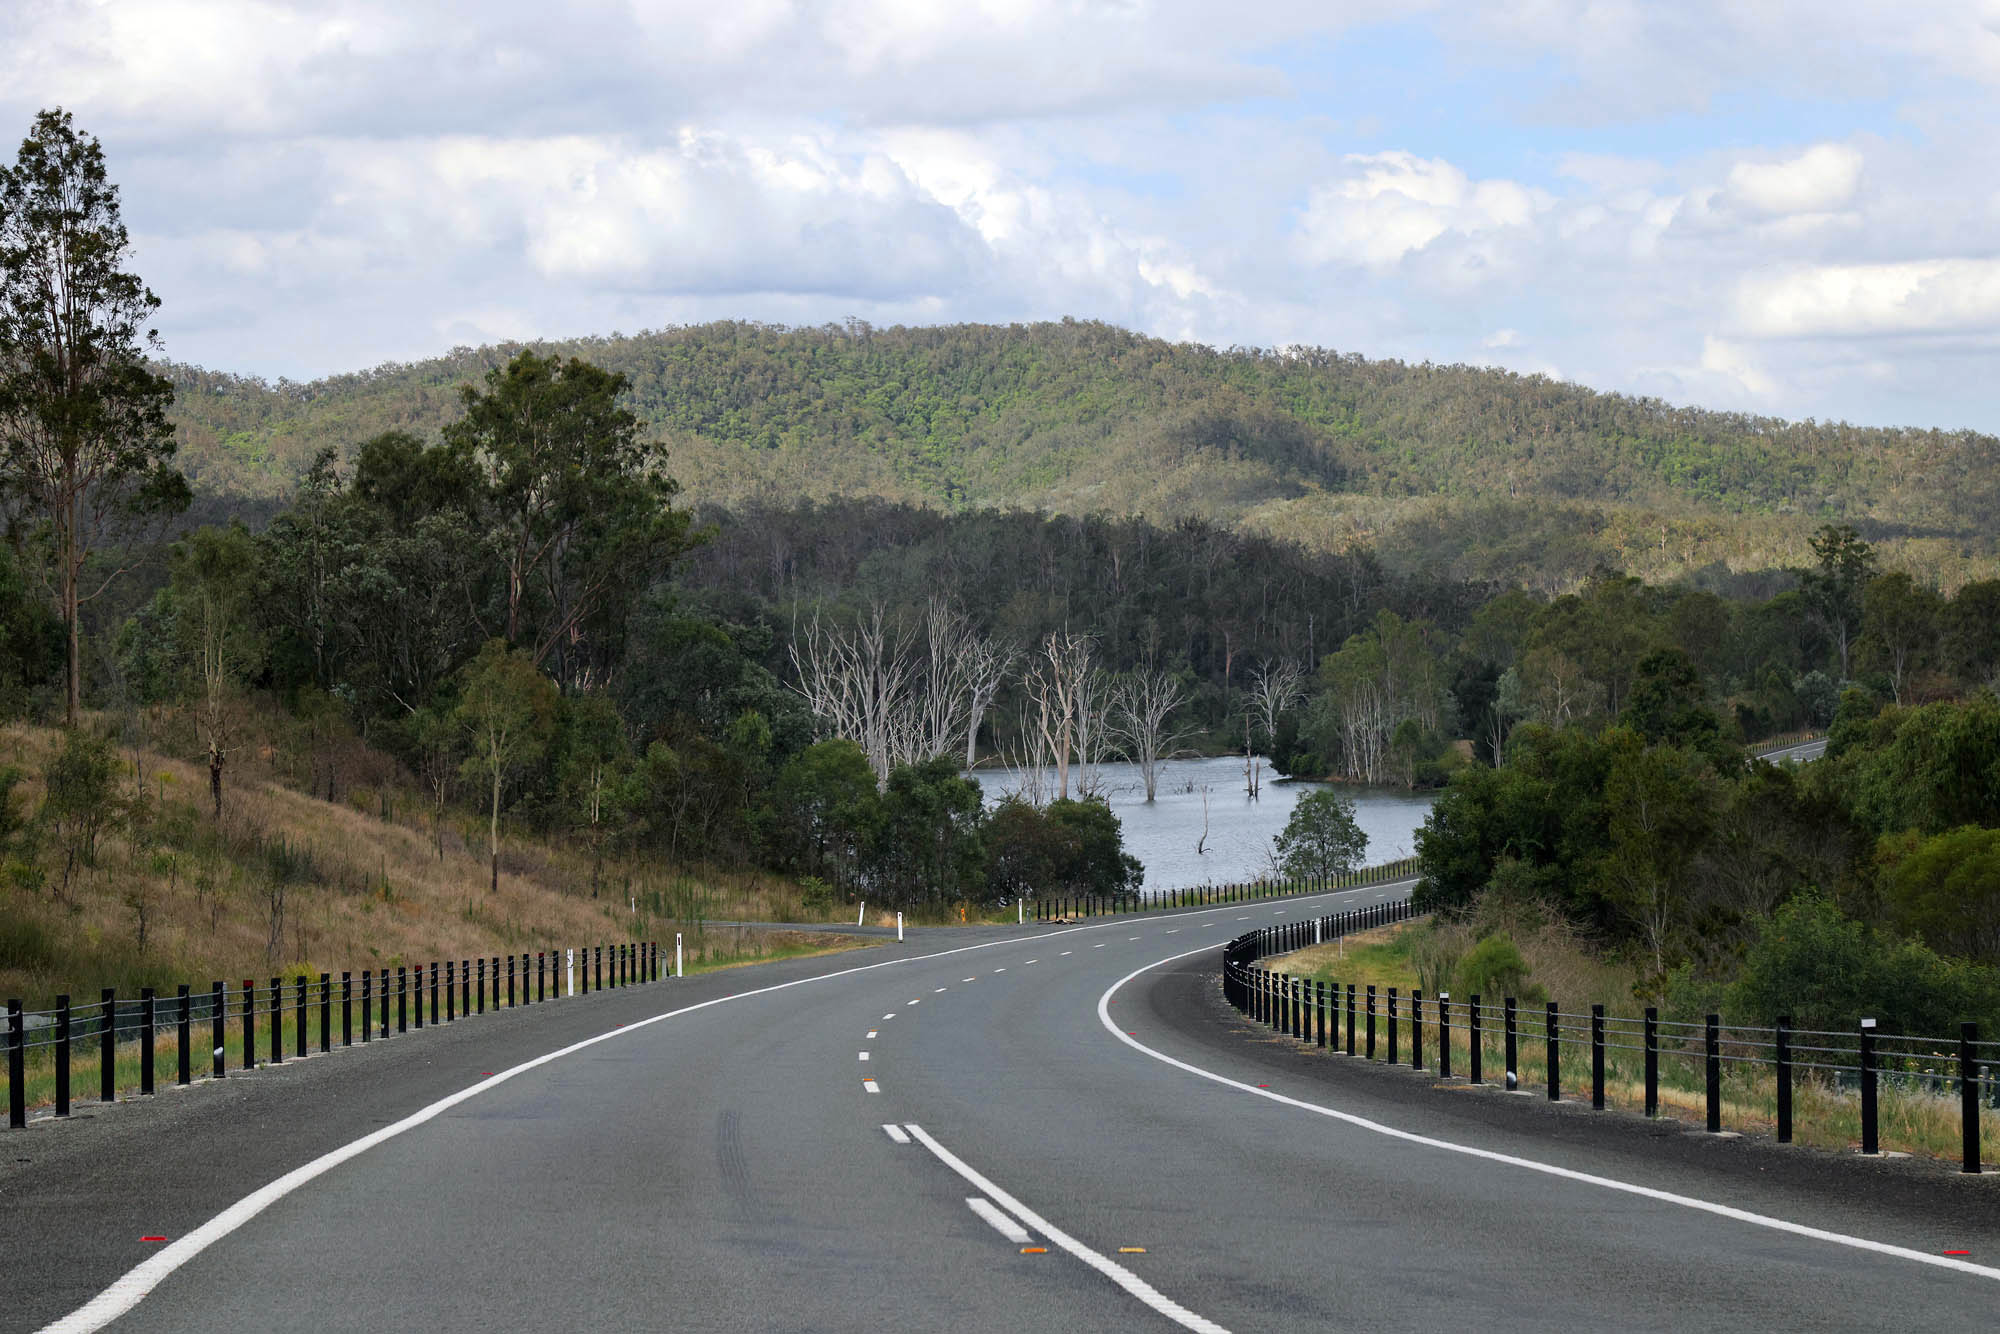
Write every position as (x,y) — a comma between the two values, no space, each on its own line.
(1494,969)
(1828,972)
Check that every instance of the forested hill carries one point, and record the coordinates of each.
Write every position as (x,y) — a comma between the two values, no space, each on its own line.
(1472,471)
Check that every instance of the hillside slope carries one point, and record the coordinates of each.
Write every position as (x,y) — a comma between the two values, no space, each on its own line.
(1486,471)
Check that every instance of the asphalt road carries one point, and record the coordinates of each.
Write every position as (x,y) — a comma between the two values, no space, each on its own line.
(743,1166)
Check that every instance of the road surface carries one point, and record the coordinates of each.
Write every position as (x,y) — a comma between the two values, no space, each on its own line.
(1053,1128)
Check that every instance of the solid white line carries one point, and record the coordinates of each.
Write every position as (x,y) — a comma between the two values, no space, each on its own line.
(131,1288)
(1111,1269)
(871,1086)
(1002,1224)
(1530,1164)
(895,1133)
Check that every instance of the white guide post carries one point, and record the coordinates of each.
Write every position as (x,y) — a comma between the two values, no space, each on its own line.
(679,969)
(569,972)
(863,914)
(899,928)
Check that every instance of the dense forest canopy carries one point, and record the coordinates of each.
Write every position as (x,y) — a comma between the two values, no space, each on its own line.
(1472,471)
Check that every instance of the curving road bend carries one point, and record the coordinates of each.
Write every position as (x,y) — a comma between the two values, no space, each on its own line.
(1053,1129)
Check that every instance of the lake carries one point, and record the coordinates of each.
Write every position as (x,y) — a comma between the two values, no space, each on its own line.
(1164,836)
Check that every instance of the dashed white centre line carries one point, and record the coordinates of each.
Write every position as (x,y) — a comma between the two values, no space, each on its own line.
(890,1015)
(1131,937)
(1100,945)
(1067,953)
(864,1055)
(935,992)
(967,979)
(1034,961)
(895,1133)
(1175,932)
(871,1086)
(873,1031)
(999,970)
(916,1000)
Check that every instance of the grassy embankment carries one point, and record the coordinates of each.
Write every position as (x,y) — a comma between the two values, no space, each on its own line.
(288,882)
(1912,1120)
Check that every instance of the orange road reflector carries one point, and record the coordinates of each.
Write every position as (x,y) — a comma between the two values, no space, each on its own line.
(1034,1250)
(1131,1250)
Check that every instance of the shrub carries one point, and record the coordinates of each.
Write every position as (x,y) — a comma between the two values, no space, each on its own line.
(1493,969)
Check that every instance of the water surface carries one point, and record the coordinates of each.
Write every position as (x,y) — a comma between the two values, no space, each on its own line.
(1168,835)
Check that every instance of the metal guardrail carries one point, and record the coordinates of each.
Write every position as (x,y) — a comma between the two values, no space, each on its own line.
(385,1001)
(1862,1060)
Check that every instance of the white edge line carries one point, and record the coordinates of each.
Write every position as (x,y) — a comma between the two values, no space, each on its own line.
(1002,1224)
(130,1288)
(1529,1164)
(1104,1265)
(895,1133)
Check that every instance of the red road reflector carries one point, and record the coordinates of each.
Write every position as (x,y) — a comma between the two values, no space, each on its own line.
(1958,1252)
(152,1239)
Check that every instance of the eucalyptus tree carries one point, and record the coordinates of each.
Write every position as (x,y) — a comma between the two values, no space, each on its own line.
(85,447)
(579,504)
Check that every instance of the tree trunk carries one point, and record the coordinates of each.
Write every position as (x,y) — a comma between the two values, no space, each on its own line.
(493,837)
(73,698)
(215,778)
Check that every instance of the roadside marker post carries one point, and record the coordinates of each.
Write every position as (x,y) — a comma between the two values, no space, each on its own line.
(899,928)
(679,970)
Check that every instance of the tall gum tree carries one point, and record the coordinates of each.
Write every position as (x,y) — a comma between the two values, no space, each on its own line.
(86,452)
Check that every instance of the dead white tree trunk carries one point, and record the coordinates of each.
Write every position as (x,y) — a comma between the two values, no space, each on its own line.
(1142,705)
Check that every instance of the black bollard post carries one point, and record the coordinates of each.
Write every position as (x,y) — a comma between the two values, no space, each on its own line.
(541,982)
(450,992)
(465,987)
(62,1055)
(402,998)
(1392,1026)
(107,1048)
(1350,1019)
(510,981)
(1781,1051)
(299,1010)
(367,1005)
(17,1068)
(218,1037)
(1319,1012)
(1554,1036)
(347,1009)
(1597,1057)
(1869,1141)
(1712,1070)
(434,993)
(1510,1051)
(325,1013)
(1968,1098)
(1371,1022)
(277,1021)
(482,987)
(184,1039)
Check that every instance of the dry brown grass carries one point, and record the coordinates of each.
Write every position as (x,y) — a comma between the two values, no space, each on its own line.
(369,888)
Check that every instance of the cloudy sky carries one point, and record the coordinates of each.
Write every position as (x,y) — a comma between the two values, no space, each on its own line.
(1784,207)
